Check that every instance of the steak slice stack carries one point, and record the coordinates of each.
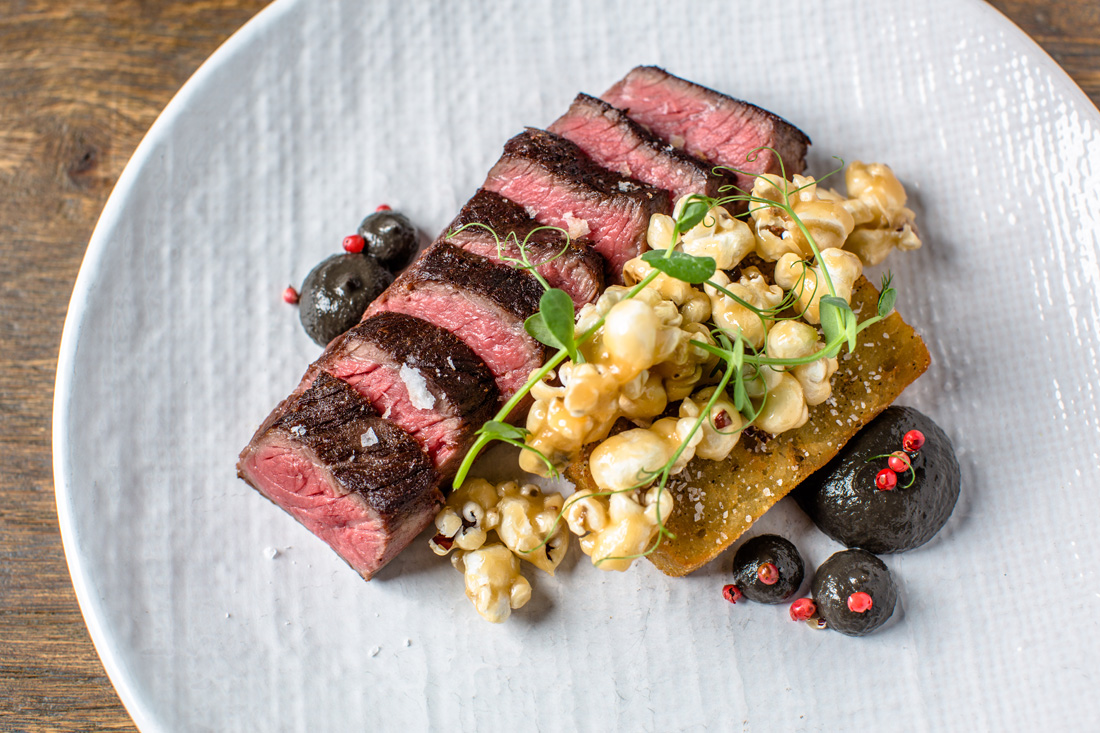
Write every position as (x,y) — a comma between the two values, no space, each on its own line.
(620,144)
(357,452)
(712,126)
(553,179)
(571,265)
(484,303)
(419,376)
(355,480)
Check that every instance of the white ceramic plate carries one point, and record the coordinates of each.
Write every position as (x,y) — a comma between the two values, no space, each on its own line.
(177,344)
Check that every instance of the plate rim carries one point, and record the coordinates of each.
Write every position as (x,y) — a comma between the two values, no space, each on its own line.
(86,595)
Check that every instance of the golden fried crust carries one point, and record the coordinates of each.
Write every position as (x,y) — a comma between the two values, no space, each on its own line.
(716,501)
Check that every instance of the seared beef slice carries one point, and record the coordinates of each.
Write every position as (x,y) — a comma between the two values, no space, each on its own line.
(482,302)
(718,129)
(421,377)
(354,479)
(553,179)
(616,142)
(493,227)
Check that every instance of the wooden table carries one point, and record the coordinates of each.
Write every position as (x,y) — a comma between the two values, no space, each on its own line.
(79,87)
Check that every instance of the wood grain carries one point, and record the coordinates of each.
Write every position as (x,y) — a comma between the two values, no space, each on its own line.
(79,86)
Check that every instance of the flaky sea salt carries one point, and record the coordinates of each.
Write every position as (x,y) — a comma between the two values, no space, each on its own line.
(368,438)
(419,395)
(575,226)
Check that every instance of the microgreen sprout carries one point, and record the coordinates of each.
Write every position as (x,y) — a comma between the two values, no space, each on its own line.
(899,462)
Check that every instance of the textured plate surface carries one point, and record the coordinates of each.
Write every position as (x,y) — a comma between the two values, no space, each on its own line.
(213,610)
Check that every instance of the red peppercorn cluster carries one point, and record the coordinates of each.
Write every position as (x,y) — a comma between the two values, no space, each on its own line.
(899,461)
(353,243)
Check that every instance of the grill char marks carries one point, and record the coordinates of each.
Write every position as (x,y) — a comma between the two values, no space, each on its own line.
(620,144)
(569,265)
(330,419)
(513,290)
(422,377)
(718,129)
(482,302)
(504,216)
(553,178)
(354,479)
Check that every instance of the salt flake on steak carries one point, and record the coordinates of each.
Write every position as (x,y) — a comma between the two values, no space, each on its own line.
(368,438)
(576,226)
(419,395)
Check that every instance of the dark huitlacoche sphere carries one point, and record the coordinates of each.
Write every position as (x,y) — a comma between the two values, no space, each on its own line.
(337,292)
(848,572)
(390,237)
(768,548)
(845,504)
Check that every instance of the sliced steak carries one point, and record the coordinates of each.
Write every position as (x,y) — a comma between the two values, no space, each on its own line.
(354,479)
(719,129)
(554,180)
(570,265)
(482,302)
(617,142)
(421,377)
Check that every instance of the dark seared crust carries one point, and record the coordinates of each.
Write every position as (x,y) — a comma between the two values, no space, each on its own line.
(394,477)
(503,216)
(788,140)
(566,160)
(513,290)
(506,218)
(709,183)
(790,134)
(453,371)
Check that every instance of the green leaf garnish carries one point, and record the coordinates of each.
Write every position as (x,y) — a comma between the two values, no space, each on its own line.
(831,310)
(536,326)
(887,297)
(693,212)
(681,265)
(556,308)
(503,430)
